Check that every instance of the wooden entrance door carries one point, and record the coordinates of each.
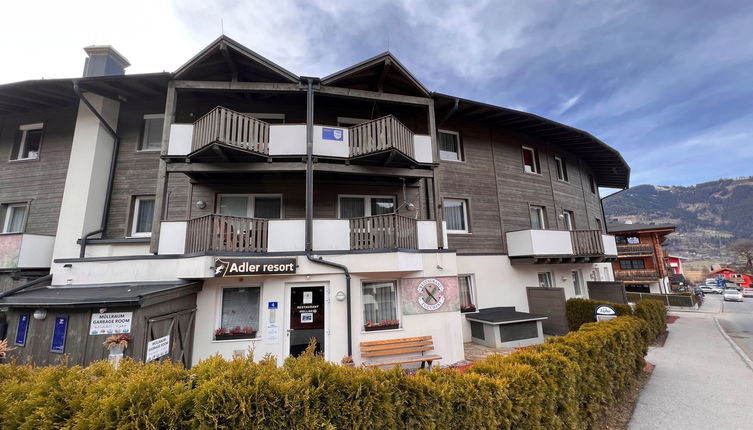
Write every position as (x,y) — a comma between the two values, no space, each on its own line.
(179,325)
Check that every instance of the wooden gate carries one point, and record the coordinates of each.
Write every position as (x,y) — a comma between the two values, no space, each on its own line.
(551,303)
(607,291)
(179,325)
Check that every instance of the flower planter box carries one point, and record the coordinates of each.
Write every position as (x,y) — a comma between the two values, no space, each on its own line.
(229,336)
(382,327)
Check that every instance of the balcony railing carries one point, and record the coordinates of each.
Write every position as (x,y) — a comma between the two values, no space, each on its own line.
(383,231)
(227,234)
(635,249)
(379,135)
(636,275)
(222,125)
(587,242)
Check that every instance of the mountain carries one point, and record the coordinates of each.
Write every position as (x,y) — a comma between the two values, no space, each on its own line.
(708,216)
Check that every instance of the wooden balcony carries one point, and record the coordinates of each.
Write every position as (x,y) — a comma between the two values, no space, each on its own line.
(224,135)
(635,249)
(227,234)
(559,246)
(383,141)
(636,275)
(383,231)
(587,242)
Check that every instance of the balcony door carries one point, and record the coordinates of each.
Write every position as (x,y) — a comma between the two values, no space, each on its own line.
(266,206)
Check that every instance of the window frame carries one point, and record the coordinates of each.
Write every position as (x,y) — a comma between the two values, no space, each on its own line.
(7,207)
(398,308)
(534,157)
(461,155)
(135,207)
(472,291)
(632,262)
(599,225)
(542,218)
(147,117)
(550,278)
(592,182)
(569,216)
(251,203)
(23,130)
(218,312)
(560,166)
(577,275)
(465,203)
(366,201)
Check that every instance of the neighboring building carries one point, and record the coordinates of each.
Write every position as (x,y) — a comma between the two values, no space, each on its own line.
(731,275)
(674,264)
(232,204)
(642,260)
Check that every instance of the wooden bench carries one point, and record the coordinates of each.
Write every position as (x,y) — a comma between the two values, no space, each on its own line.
(400,347)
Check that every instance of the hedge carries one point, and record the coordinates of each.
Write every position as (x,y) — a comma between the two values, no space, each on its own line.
(654,312)
(565,383)
(581,311)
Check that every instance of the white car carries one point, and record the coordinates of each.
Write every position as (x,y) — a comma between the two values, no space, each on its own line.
(732,295)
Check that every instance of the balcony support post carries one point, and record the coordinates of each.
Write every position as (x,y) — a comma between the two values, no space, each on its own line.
(160,197)
(438,214)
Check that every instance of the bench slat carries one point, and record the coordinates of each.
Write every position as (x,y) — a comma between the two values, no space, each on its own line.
(418,359)
(395,351)
(391,341)
(396,346)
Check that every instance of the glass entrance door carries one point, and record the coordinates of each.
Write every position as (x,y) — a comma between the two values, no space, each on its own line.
(306,318)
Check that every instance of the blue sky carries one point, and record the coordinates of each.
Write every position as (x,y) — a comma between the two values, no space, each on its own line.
(667,83)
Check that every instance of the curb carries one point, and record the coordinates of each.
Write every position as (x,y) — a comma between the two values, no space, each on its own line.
(748,362)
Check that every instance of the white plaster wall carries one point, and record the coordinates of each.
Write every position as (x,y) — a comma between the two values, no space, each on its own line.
(287,139)
(427,235)
(331,148)
(331,235)
(36,251)
(610,245)
(172,238)
(180,139)
(539,242)
(286,235)
(117,249)
(422,147)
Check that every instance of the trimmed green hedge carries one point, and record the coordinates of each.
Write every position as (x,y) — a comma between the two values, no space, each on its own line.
(655,313)
(581,311)
(565,383)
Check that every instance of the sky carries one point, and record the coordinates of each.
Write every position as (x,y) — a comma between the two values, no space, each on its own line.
(667,83)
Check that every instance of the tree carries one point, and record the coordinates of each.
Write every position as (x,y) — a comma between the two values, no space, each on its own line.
(743,249)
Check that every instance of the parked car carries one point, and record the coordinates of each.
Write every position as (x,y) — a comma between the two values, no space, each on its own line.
(712,289)
(747,292)
(732,295)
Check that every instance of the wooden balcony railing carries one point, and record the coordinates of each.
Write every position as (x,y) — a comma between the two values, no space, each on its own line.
(222,125)
(635,249)
(227,234)
(383,231)
(381,134)
(636,275)
(587,242)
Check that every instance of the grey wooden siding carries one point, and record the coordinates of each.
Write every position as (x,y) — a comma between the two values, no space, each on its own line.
(39,181)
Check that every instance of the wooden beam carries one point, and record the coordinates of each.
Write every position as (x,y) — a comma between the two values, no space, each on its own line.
(295,167)
(235,86)
(383,75)
(372,95)
(160,198)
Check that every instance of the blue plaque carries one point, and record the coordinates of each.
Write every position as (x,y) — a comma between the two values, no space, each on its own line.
(271,305)
(23,327)
(58,335)
(332,134)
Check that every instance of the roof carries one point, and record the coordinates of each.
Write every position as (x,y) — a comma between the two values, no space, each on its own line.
(382,72)
(608,166)
(626,228)
(723,269)
(503,315)
(104,295)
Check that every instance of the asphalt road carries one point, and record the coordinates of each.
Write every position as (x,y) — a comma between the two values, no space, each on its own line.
(737,321)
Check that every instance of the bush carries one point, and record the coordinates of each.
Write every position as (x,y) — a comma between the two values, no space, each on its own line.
(565,383)
(653,312)
(581,311)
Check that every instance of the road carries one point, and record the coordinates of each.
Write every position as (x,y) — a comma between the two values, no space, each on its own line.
(737,321)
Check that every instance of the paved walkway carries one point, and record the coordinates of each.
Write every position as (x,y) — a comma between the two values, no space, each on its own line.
(700,381)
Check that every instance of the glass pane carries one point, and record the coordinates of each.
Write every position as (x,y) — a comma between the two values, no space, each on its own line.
(558,164)
(152,134)
(381,206)
(352,207)
(240,308)
(234,206)
(569,221)
(544,280)
(16,219)
(379,303)
(145,216)
(466,300)
(268,207)
(576,283)
(31,145)
(454,215)
(537,221)
(528,161)
(448,146)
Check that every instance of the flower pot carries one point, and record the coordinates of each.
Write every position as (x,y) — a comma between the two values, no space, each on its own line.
(117,350)
(382,327)
(230,336)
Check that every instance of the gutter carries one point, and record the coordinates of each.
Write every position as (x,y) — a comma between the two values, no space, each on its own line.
(111,176)
(601,203)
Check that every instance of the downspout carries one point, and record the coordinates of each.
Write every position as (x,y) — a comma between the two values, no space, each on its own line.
(309,84)
(111,177)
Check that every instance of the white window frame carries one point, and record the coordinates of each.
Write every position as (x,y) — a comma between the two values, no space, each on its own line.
(261,116)
(606,274)
(568,217)
(25,129)
(542,216)
(464,204)
(367,202)
(251,206)
(460,158)
(8,209)
(398,305)
(577,275)
(218,311)
(347,121)
(534,158)
(472,287)
(147,117)
(561,169)
(550,277)
(135,216)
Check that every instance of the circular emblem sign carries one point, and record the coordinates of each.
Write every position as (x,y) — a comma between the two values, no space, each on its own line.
(430,294)
(605,313)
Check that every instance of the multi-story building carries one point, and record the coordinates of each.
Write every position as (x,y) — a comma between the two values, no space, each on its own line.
(232,204)
(642,262)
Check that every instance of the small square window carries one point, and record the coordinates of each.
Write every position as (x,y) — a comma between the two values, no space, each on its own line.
(151,139)
(239,316)
(577,282)
(28,143)
(569,220)
(467,300)
(538,217)
(531,160)
(592,183)
(546,280)
(561,167)
(380,310)
(456,215)
(449,146)
(143,215)
(598,225)
(14,217)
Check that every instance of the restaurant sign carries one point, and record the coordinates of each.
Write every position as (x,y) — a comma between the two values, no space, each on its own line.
(235,267)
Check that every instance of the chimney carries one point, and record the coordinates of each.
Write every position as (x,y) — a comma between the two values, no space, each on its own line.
(104,60)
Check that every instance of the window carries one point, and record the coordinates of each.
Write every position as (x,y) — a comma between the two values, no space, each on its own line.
(531,160)
(577,283)
(632,265)
(598,225)
(561,169)
(143,214)
(269,118)
(467,301)
(538,217)
(546,280)
(240,311)
(267,206)
(456,215)
(592,183)
(14,218)
(380,305)
(606,273)
(151,139)
(360,206)
(28,143)
(449,146)
(569,220)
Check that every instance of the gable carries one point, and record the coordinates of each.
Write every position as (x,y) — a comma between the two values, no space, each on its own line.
(383,73)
